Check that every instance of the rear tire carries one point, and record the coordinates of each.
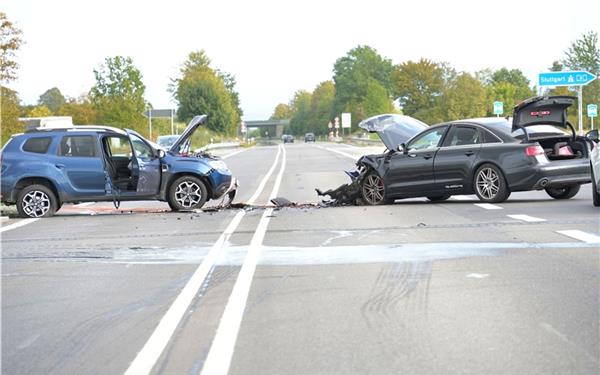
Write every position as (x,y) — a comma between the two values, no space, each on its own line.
(36,201)
(187,193)
(490,185)
(595,194)
(439,198)
(563,192)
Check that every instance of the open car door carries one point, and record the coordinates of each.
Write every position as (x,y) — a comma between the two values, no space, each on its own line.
(543,110)
(145,165)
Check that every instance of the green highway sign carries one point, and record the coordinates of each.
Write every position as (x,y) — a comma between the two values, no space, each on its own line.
(498,108)
(592,110)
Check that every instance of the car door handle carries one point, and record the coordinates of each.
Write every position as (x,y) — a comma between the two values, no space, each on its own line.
(412,155)
(59,166)
(469,153)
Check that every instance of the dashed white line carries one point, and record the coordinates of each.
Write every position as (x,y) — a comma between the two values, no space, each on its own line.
(340,152)
(488,206)
(221,350)
(463,198)
(147,357)
(18,224)
(580,235)
(527,218)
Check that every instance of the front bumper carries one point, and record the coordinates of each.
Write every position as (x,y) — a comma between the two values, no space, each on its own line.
(226,188)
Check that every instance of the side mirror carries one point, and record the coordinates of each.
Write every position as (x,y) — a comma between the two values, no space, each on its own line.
(161,153)
(402,148)
(593,135)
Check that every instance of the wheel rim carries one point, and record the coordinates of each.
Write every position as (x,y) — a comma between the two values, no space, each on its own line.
(36,203)
(188,194)
(373,189)
(488,183)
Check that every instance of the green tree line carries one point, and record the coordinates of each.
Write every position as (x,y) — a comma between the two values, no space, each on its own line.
(364,83)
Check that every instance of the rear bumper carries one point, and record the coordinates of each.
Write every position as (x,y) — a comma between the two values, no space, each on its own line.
(554,174)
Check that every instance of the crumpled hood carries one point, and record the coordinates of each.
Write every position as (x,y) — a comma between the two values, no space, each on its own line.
(393,129)
(187,133)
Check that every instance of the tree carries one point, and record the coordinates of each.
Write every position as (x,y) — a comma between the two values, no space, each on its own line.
(53,99)
(301,105)
(39,111)
(81,110)
(10,42)
(9,121)
(321,108)
(203,90)
(464,98)
(584,54)
(377,100)
(354,72)
(509,86)
(419,87)
(118,95)
(282,112)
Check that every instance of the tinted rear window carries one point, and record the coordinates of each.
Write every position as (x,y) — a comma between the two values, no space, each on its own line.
(38,145)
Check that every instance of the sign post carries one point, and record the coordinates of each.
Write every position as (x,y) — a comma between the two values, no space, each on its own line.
(592,111)
(498,108)
(568,78)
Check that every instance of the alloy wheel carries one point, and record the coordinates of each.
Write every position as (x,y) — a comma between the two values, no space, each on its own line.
(188,194)
(36,203)
(373,189)
(488,183)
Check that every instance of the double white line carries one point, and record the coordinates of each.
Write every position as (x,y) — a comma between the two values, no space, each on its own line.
(221,351)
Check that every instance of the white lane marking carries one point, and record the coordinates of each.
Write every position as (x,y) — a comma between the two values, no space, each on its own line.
(463,198)
(18,224)
(527,218)
(221,350)
(233,153)
(477,275)
(147,357)
(340,152)
(580,235)
(488,206)
(264,181)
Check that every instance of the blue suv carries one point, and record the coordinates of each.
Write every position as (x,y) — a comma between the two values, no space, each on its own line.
(46,167)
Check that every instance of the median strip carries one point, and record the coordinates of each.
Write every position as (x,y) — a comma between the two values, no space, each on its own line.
(148,356)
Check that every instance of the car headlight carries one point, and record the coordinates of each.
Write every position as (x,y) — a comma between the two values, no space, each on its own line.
(218,165)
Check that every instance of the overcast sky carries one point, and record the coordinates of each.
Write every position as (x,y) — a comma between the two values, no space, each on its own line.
(274,48)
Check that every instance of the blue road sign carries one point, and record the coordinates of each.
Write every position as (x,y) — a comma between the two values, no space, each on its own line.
(592,110)
(566,78)
(498,108)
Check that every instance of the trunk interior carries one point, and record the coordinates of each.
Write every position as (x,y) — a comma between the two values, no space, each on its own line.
(563,148)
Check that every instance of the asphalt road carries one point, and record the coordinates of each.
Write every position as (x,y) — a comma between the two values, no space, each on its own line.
(414,287)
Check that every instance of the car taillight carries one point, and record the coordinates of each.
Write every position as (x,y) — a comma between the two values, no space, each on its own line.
(534,150)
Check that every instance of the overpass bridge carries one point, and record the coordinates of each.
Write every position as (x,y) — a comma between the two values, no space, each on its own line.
(274,127)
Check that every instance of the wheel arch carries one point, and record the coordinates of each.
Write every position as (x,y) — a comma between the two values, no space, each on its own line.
(27,181)
(203,178)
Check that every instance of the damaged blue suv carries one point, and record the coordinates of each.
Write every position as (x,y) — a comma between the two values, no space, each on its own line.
(46,167)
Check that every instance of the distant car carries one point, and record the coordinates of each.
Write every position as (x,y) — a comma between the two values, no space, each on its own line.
(595,166)
(46,167)
(166,141)
(287,138)
(489,157)
(309,137)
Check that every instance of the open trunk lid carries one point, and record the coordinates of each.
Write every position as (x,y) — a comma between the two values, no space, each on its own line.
(393,129)
(542,110)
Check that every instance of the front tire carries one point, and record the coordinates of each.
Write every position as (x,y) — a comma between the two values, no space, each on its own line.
(187,193)
(490,185)
(36,201)
(563,192)
(373,190)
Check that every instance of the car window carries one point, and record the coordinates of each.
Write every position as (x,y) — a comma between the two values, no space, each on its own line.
(462,135)
(39,145)
(488,137)
(142,150)
(77,145)
(427,140)
(118,146)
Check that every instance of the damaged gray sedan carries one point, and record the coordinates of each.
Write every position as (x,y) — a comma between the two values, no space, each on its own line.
(489,157)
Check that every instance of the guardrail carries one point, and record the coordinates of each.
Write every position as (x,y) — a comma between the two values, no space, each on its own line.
(214,146)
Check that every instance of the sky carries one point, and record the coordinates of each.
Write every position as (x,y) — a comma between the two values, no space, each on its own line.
(274,48)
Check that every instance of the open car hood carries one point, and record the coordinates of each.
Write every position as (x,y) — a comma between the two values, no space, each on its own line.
(542,110)
(187,133)
(393,129)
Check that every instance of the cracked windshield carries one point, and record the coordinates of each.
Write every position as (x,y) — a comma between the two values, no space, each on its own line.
(299,187)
